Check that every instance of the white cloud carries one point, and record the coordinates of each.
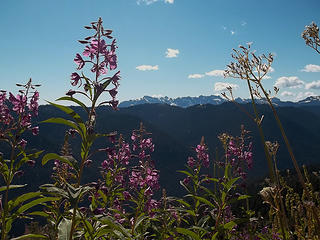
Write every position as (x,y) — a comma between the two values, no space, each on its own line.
(196,75)
(243,23)
(287,94)
(290,82)
(215,73)
(157,95)
(224,27)
(303,95)
(147,67)
(313,85)
(222,86)
(232,32)
(311,68)
(148,2)
(267,77)
(271,69)
(171,53)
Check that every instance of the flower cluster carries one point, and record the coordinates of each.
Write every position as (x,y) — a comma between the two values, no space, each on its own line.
(102,58)
(16,112)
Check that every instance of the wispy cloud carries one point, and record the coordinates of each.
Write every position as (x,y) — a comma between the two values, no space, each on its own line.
(243,23)
(290,82)
(287,94)
(232,32)
(313,85)
(215,73)
(196,75)
(148,2)
(311,68)
(222,86)
(147,67)
(172,53)
(302,95)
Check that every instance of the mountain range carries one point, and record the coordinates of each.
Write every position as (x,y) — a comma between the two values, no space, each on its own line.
(185,102)
(176,131)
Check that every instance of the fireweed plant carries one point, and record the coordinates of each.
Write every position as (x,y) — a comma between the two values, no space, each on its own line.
(125,201)
(16,114)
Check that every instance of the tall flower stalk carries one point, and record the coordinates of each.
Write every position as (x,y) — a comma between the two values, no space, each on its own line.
(253,69)
(16,113)
(101,57)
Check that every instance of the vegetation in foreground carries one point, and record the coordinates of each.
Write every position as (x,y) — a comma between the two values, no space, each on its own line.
(123,203)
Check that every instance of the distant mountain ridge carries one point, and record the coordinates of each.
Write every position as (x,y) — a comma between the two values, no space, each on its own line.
(185,102)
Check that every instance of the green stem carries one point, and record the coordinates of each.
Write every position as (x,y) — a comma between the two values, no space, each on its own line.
(266,151)
(8,181)
(294,161)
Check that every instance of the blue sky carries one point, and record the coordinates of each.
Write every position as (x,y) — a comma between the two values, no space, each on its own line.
(166,47)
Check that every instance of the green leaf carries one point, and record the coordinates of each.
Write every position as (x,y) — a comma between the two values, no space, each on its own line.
(243,197)
(25,197)
(205,201)
(139,220)
(33,203)
(214,237)
(187,173)
(229,225)
(72,99)
(4,188)
(28,236)
(63,121)
(230,183)
(184,203)
(65,159)
(88,84)
(39,213)
(64,229)
(188,232)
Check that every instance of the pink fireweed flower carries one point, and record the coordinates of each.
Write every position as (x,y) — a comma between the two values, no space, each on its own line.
(99,47)
(111,59)
(114,104)
(33,105)
(79,61)
(113,92)
(22,143)
(89,51)
(75,79)
(191,162)
(202,155)
(26,120)
(101,69)
(35,131)
(19,102)
(115,78)
(3,97)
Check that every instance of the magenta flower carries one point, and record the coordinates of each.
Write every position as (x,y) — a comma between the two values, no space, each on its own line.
(22,143)
(26,120)
(114,104)
(111,59)
(89,52)
(75,78)
(113,92)
(79,61)
(19,102)
(35,131)
(33,105)
(99,47)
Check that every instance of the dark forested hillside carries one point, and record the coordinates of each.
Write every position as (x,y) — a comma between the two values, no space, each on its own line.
(176,130)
